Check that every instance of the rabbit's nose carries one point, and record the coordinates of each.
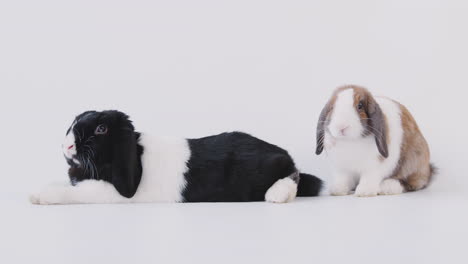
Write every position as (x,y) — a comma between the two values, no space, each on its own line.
(343,130)
(71,146)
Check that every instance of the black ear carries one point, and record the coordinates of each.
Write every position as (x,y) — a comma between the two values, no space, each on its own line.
(126,163)
(321,127)
(378,127)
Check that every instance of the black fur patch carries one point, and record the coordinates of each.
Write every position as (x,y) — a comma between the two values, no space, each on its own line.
(114,156)
(230,167)
(234,167)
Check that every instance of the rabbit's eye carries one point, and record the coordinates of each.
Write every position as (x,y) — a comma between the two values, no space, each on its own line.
(101,130)
(360,106)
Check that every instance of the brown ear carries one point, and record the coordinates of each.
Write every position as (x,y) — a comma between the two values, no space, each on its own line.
(378,126)
(321,128)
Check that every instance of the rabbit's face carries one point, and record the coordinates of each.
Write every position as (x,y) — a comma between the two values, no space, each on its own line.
(89,137)
(104,146)
(347,115)
(92,137)
(352,113)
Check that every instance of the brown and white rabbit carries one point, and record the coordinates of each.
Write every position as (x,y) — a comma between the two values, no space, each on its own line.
(374,144)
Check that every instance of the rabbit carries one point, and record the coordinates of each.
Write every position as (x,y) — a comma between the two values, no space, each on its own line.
(374,144)
(111,163)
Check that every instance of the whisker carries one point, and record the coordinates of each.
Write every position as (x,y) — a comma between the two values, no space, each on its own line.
(374,131)
(96,170)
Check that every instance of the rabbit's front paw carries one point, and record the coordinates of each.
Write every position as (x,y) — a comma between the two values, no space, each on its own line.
(339,190)
(366,190)
(34,198)
(50,195)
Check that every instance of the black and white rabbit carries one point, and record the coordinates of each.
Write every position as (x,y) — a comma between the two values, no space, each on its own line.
(111,163)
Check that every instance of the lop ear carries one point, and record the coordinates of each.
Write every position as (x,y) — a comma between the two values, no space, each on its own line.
(321,127)
(378,126)
(126,163)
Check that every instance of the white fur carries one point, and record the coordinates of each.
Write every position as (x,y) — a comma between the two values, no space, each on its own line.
(390,187)
(89,191)
(344,116)
(342,182)
(282,191)
(164,164)
(356,160)
(69,141)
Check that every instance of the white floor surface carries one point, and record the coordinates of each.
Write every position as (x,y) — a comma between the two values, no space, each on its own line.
(424,227)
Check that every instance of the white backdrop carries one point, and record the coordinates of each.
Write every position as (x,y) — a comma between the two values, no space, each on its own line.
(197,68)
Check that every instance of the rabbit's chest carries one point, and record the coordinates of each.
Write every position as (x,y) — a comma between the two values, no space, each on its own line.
(354,155)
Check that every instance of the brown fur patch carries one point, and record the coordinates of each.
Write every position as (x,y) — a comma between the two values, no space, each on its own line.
(361,96)
(414,169)
(372,118)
